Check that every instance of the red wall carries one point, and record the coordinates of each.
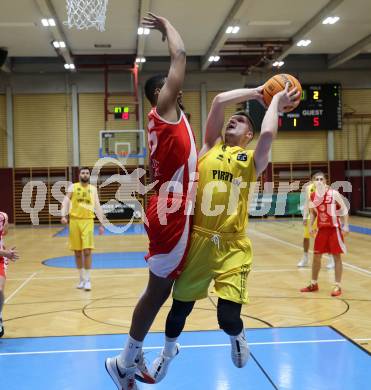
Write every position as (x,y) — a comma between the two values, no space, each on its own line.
(6,192)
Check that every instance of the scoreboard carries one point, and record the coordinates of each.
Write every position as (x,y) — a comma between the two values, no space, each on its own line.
(319,109)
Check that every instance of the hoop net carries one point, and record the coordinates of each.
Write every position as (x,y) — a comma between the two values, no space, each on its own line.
(84,14)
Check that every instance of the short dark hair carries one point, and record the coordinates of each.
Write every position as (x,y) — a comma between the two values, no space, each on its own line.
(318,173)
(151,85)
(251,121)
(83,168)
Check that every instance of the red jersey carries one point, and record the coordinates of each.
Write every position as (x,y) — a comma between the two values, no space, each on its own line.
(173,154)
(173,158)
(326,207)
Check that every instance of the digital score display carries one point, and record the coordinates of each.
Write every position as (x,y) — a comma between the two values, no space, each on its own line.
(319,109)
(121,113)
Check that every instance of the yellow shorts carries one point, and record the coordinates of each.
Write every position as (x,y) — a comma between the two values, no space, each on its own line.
(306,228)
(81,234)
(225,258)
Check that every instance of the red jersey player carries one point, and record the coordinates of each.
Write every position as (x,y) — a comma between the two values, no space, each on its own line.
(173,159)
(328,206)
(5,254)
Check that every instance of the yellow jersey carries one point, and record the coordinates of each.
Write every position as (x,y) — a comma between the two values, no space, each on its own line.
(225,175)
(83,201)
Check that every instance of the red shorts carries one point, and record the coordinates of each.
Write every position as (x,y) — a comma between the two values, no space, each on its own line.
(3,267)
(329,240)
(169,235)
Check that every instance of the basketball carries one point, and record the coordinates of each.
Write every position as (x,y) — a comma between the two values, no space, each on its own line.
(276,84)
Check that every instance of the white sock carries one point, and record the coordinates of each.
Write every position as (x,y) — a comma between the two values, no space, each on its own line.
(313,281)
(305,255)
(81,272)
(338,284)
(87,274)
(130,352)
(170,346)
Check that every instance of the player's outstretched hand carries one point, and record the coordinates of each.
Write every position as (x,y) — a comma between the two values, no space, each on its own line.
(345,230)
(101,230)
(12,254)
(155,22)
(286,97)
(64,220)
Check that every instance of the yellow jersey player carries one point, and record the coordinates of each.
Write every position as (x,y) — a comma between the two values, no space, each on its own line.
(310,188)
(220,250)
(82,201)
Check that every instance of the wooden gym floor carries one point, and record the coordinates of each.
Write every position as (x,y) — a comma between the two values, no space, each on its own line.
(43,300)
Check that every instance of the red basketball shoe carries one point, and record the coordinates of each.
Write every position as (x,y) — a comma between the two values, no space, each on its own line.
(310,288)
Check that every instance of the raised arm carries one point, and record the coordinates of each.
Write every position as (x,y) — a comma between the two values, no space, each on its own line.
(167,105)
(215,119)
(270,126)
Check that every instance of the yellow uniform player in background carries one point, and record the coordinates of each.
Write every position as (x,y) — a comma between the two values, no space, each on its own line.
(82,201)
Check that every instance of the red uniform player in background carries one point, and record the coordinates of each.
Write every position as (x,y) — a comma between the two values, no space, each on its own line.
(328,206)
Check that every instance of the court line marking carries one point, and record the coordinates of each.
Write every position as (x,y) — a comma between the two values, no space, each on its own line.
(351,266)
(182,347)
(76,277)
(143,274)
(20,287)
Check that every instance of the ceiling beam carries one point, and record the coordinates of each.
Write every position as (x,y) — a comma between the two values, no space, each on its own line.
(144,8)
(349,53)
(221,36)
(316,19)
(47,10)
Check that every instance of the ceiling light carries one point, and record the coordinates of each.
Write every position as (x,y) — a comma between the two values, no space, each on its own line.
(232,29)
(331,20)
(140,60)
(278,64)
(69,66)
(59,44)
(304,42)
(143,31)
(214,58)
(72,66)
(48,22)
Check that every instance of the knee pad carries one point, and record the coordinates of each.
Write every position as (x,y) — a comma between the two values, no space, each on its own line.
(229,317)
(180,309)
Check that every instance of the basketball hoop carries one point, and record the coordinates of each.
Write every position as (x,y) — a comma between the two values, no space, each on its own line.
(84,14)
